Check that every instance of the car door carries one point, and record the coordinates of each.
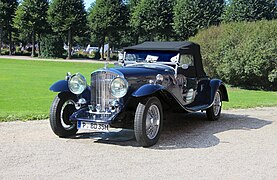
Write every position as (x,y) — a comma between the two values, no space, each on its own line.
(187,68)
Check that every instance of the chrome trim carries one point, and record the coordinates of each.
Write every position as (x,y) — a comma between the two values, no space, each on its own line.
(153,119)
(102,101)
(81,76)
(125,81)
(217,104)
(64,125)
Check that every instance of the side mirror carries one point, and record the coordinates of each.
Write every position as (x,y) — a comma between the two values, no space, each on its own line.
(185,66)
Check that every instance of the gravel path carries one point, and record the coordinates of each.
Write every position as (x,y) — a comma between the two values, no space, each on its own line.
(241,145)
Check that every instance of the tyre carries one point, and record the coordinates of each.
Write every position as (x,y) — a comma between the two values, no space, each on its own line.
(62,108)
(213,112)
(148,121)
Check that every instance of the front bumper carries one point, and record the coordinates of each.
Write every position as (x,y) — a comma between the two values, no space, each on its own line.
(85,114)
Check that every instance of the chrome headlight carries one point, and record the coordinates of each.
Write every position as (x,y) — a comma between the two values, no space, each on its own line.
(77,83)
(119,87)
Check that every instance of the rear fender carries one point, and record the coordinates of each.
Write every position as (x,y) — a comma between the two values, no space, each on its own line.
(216,84)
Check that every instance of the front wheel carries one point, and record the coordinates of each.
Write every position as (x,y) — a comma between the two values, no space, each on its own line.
(213,112)
(148,122)
(62,108)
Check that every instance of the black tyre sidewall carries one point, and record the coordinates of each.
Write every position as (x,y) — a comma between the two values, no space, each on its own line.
(210,112)
(55,115)
(140,122)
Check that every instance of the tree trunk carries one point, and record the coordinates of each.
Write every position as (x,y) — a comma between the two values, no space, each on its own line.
(1,31)
(69,44)
(136,38)
(10,43)
(108,51)
(39,37)
(33,44)
(103,50)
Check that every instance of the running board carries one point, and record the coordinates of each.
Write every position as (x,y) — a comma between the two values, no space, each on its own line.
(198,108)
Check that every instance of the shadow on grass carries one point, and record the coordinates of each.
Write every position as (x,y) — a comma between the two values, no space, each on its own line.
(184,131)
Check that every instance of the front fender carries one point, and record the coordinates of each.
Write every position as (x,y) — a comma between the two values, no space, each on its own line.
(216,84)
(147,89)
(59,86)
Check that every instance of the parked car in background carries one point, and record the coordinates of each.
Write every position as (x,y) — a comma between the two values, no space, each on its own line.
(155,78)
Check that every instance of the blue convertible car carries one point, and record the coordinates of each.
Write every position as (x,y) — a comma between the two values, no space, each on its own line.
(155,78)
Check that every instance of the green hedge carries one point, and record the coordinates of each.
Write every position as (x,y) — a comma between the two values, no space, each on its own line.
(242,54)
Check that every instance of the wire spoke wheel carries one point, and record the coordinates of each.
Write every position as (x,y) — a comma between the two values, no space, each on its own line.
(213,112)
(62,108)
(148,121)
(152,121)
(67,109)
(217,104)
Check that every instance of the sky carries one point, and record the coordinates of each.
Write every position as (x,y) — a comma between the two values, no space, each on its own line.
(88,3)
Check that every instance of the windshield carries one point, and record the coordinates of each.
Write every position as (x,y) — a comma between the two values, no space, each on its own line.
(151,56)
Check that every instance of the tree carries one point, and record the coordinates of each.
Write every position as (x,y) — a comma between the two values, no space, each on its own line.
(153,19)
(7,11)
(250,10)
(31,17)
(106,19)
(192,15)
(68,18)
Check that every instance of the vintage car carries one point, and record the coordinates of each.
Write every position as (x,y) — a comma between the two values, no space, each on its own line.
(154,78)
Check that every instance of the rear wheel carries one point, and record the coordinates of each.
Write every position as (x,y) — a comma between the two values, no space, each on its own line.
(148,122)
(62,108)
(213,113)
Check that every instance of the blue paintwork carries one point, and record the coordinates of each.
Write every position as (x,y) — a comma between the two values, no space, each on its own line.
(147,89)
(214,84)
(141,71)
(60,86)
(86,94)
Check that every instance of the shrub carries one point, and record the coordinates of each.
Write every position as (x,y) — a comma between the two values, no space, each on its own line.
(52,46)
(242,54)
(4,51)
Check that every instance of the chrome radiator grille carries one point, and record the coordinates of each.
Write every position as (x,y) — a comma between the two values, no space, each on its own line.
(100,90)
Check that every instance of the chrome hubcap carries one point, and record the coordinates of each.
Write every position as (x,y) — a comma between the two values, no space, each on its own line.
(152,121)
(64,123)
(217,104)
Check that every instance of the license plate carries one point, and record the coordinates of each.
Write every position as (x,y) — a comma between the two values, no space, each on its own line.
(93,126)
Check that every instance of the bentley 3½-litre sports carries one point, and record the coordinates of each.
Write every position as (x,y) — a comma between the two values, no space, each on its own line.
(154,78)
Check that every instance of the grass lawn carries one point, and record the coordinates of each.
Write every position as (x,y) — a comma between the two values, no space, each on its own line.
(25,95)
(241,99)
(24,86)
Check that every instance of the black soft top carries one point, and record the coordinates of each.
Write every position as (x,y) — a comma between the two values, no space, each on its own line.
(163,46)
(184,47)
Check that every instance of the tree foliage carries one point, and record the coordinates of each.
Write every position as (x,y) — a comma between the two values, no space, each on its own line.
(243,54)
(31,18)
(68,17)
(250,10)
(106,20)
(153,19)
(52,46)
(7,12)
(191,15)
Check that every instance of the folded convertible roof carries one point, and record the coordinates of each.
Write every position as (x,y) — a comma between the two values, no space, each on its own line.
(164,46)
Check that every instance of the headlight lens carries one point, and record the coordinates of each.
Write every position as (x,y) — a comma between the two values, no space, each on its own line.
(77,83)
(119,87)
